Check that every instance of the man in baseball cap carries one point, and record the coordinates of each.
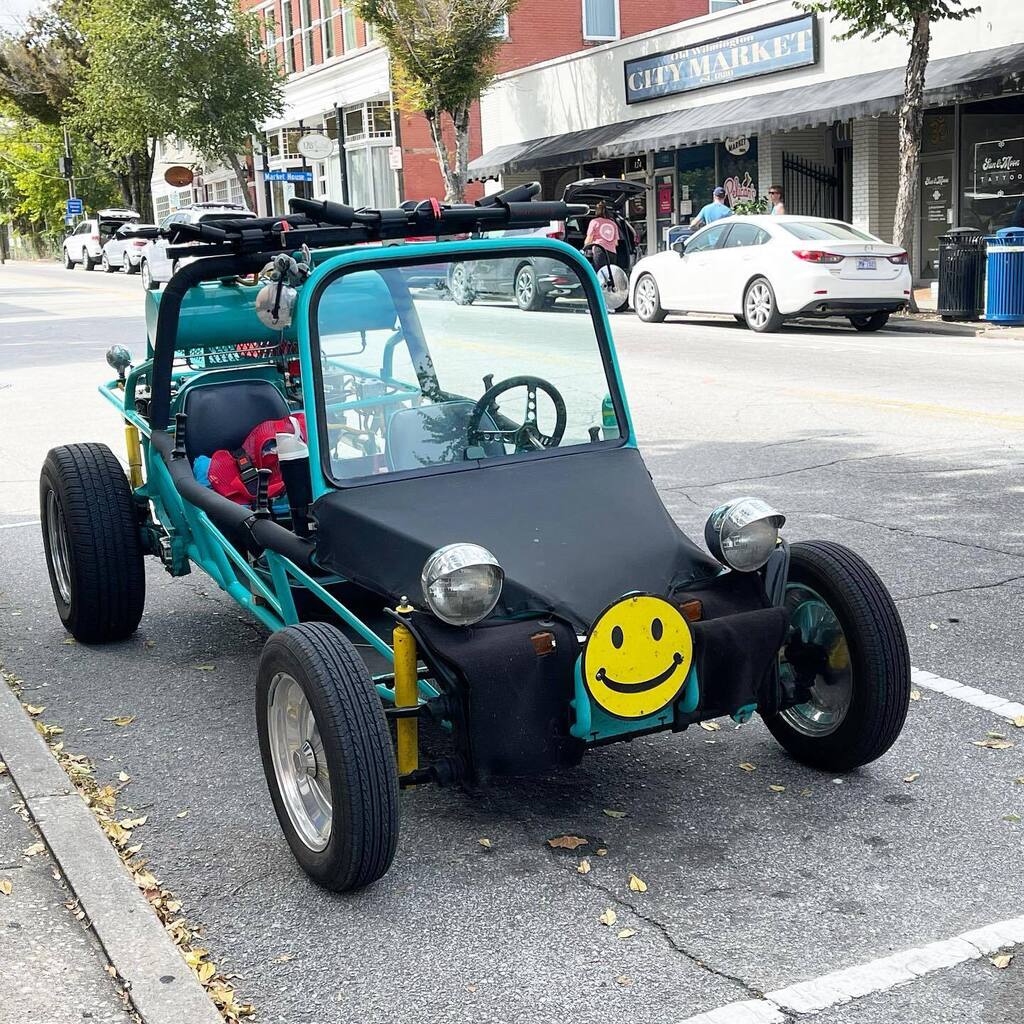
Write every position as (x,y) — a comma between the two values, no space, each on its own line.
(715,210)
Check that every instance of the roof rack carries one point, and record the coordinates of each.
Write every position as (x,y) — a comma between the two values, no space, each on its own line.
(323,224)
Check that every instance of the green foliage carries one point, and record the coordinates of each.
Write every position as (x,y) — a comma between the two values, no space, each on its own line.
(880,18)
(746,207)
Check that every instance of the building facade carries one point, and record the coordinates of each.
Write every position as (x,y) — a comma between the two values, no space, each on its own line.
(764,93)
(339,85)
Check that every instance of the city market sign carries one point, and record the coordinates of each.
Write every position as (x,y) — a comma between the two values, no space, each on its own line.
(781,46)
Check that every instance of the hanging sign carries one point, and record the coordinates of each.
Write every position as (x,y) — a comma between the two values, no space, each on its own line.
(778,47)
(178,176)
(738,145)
(315,146)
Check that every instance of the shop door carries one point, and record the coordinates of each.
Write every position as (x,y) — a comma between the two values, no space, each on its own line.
(664,207)
(936,212)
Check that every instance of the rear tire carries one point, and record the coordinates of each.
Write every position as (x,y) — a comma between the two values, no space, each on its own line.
(105,263)
(871,322)
(460,285)
(327,755)
(92,542)
(647,301)
(69,263)
(526,288)
(861,691)
(88,263)
(147,277)
(760,310)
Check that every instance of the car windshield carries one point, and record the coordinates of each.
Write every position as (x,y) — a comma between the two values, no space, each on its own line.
(429,364)
(824,231)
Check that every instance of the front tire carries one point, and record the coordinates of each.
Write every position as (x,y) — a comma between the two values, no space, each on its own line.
(647,301)
(105,263)
(529,297)
(88,263)
(760,310)
(147,277)
(849,640)
(327,755)
(460,285)
(92,542)
(871,322)
(69,263)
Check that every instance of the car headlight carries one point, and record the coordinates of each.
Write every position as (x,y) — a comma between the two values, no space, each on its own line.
(462,583)
(742,533)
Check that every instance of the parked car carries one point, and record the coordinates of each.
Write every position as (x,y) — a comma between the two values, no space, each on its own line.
(123,251)
(155,266)
(765,270)
(85,244)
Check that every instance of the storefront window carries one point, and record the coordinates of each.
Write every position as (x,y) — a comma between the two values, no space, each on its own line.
(695,172)
(737,168)
(991,163)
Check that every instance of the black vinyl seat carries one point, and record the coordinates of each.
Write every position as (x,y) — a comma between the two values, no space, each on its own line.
(221,415)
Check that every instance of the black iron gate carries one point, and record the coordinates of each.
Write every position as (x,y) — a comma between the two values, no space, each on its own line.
(810,190)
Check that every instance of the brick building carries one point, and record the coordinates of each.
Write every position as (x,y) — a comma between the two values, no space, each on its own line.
(339,84)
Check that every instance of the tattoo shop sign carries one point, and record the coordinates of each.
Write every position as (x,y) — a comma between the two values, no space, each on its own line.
(778,47)
(999,169)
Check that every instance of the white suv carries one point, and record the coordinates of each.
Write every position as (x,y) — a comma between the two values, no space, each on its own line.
(85,244)
(155,266)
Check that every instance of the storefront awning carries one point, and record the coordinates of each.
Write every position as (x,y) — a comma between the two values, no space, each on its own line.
(966,76)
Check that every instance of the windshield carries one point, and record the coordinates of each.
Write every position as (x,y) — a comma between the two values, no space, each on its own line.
(825,230)
(459,361)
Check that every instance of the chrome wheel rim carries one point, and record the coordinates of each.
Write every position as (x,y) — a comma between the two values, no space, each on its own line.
(300,764)
(524,287)
(644,299)
(758,306)
(146,277)
(832,691)
(60,555)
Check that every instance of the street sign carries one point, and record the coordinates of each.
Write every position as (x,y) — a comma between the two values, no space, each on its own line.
(289,175)
(395,158)
(74,207)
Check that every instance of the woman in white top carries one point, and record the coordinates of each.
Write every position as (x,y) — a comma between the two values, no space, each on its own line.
(775,198)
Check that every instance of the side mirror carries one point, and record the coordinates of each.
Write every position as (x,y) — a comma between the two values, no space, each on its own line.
(679,246)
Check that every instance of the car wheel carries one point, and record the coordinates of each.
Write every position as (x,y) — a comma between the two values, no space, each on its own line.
(871,322)
(460,285)
(147,277)
(527,290)
(87,261)
(760,311)
(92,542)
(848,649)
(105,263)
(126,264)
(327,755)
(647,301)
(69,263)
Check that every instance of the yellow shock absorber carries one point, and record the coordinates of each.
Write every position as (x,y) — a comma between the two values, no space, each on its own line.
(406,694)
(131,440)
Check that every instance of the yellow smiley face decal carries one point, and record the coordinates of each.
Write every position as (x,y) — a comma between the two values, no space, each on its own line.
(637,656)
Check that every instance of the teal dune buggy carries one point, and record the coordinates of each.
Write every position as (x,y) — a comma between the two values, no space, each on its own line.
(440,510)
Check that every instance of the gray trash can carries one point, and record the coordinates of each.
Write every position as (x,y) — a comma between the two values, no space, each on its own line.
(961,274)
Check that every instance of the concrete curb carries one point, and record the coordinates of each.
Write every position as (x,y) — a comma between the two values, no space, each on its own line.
(159,982)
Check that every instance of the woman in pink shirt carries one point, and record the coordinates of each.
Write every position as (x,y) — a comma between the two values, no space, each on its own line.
(602,242)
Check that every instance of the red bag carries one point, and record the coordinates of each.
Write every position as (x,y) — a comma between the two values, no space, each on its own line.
(235,474)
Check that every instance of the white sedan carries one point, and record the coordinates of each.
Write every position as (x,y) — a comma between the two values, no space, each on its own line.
(764,270)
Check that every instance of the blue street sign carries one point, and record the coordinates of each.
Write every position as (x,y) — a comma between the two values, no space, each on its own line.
(289,175)
(75,207)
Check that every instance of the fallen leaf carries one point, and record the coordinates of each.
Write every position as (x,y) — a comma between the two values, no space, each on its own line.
(3,768)
(46,731)
(111,970)
(566,842)
(471,988)
(710,726)
(777,789)
(1019,721)
(1019,781)
(123,777)
(184,814)
(204,668)
(912,777)
(748,767)
(69,641)
(625,933)
(1012,818)
(933,625)
(583,868)
(637,884)
(132,850)
(173,906)
(614,814)
(283,958)
(996,735)
(6,886)
(602,851)
(206,972)
(149,643)
(32,709)
(624,980)
(609,917)
(1001,960)
(121,720)
(806,791)
(915,694)
(35,849)
(485,843)
(993,743)
(130,823)
(839,782)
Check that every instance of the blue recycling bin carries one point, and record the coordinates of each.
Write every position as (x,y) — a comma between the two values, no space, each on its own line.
(1005,301)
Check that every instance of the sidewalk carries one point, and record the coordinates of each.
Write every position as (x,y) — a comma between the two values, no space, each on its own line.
(52,970)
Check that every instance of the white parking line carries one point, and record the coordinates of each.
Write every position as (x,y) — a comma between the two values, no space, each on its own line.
(867,979)
(1008,709)
(15,526)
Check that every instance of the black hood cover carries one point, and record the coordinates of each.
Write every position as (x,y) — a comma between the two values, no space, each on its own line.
(572,533)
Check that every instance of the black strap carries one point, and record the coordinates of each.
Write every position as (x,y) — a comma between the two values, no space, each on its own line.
(246,469)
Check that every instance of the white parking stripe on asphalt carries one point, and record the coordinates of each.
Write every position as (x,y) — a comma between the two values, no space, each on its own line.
(15,526)
(851,983)
(1008,709)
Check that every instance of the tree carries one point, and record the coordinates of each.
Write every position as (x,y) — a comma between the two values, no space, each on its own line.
(911,20)
(442,56)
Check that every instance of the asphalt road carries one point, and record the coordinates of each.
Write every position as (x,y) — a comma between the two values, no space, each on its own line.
(904,446)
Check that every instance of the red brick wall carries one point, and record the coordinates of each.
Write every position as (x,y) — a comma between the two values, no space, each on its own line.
(421,177)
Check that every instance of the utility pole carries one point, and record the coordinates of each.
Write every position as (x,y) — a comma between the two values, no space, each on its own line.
(68,167)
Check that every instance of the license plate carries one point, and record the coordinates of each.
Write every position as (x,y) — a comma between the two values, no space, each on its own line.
(865,264)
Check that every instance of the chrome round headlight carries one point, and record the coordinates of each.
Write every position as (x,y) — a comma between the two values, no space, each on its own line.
(743,533)
(462,583)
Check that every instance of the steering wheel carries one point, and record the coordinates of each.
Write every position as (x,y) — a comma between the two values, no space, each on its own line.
(527,435)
